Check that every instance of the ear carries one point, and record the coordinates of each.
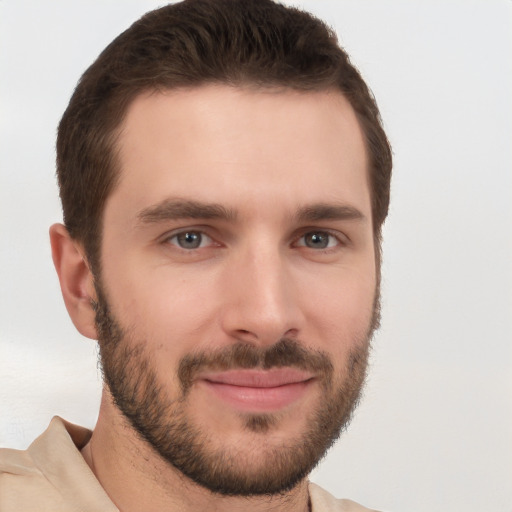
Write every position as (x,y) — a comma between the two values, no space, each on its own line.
(76,279)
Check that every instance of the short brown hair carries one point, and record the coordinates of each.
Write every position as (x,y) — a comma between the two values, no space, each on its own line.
(188,44)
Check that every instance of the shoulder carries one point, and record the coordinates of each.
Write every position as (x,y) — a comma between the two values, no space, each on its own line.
(51,475)
(323,501)
(23,485)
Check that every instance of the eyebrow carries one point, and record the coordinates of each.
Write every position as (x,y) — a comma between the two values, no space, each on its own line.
(173,209)
(327,211)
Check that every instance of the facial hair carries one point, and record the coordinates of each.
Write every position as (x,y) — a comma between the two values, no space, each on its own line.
(162,421)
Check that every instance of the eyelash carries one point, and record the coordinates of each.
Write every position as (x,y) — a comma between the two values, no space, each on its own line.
(337,237)
(186,232)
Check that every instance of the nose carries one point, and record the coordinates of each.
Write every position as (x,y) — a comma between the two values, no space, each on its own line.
(261,302)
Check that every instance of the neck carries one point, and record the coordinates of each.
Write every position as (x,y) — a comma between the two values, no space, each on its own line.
(136,478)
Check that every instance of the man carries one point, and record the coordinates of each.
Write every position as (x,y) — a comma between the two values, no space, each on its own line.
(224,178)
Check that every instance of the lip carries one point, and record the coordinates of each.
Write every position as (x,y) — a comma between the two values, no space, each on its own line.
(258,390)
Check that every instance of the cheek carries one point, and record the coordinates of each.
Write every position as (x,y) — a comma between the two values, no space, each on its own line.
(169,313)
(342,311)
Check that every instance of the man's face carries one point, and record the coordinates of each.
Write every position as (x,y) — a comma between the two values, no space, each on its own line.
(238,280)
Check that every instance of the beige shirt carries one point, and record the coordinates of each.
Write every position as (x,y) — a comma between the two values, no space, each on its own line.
(52,476)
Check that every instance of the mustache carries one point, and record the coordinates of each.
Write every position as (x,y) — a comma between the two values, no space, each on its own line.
(285,353)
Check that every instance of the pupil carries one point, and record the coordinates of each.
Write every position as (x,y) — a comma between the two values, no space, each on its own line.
(317,240)
(190,240)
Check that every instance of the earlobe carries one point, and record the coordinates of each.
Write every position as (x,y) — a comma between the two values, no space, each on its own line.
(76,279)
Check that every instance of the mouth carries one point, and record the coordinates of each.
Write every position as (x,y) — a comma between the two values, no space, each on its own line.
(258,390)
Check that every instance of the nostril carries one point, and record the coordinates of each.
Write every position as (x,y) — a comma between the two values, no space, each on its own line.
(291,333)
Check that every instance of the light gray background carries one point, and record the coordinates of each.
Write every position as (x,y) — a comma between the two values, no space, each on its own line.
(434,431)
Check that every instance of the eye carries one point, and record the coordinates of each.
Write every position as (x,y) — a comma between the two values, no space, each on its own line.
(318,240)
(190,240)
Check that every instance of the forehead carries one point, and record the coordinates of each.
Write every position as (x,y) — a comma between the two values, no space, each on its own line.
(241,145)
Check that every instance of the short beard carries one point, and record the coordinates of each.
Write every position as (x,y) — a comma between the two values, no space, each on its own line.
(130,375)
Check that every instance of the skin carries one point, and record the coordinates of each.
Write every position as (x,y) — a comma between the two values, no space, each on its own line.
(263,156)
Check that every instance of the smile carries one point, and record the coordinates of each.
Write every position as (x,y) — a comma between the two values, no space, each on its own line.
(258,390)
